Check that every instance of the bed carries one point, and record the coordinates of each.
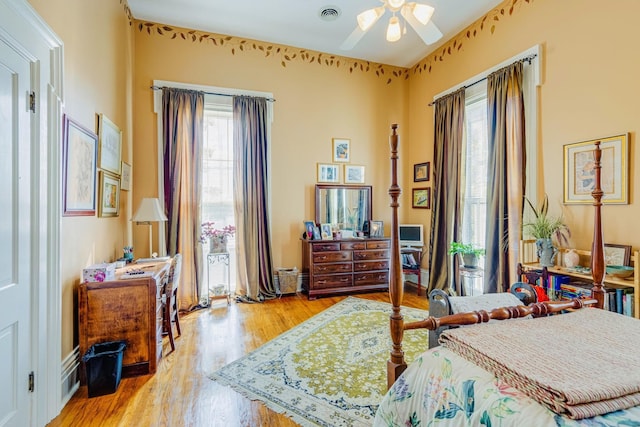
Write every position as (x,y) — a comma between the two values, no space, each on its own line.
(565,370)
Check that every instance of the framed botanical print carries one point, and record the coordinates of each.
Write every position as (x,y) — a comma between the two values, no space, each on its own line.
(80,147)
(109,195)
(341,150)
(110,145)
(421,198)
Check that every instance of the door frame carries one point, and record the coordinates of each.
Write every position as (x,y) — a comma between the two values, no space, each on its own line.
(23,29)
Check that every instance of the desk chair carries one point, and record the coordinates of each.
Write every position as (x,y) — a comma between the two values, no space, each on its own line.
(170,313)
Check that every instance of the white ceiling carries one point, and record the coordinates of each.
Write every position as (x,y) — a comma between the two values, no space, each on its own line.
(297,23)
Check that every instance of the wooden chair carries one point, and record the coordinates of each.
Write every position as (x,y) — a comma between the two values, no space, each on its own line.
(170,313)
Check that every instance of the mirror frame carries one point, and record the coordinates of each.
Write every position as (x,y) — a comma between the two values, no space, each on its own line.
(367,188)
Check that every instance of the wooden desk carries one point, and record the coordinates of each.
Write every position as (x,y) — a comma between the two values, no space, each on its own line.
(128,310)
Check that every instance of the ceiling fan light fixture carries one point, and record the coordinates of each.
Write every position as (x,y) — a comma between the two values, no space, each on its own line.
(422,12)
(394,31)
(395,4)
(369,17)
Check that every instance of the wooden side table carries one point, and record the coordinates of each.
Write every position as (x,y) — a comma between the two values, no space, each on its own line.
(222,258)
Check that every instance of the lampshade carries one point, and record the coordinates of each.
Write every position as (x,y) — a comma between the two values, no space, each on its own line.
(149,210)
(369,17)
(393,30)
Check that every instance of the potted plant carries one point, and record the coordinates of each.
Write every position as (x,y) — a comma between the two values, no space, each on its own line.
(468,253)
(217,237)
(544,228)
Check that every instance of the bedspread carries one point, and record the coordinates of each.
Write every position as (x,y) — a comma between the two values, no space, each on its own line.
(441,388)
(560,362)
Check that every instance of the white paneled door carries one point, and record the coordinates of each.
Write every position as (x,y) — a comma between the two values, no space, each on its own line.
(15,237)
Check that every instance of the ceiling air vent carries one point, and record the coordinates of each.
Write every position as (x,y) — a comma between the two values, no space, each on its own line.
(329,13)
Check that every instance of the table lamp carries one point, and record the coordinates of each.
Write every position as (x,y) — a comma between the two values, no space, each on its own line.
(149,211)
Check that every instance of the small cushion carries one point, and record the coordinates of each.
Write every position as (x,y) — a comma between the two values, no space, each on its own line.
(485,302)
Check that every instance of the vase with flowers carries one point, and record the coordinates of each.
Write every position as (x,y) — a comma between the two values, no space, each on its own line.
(217,237)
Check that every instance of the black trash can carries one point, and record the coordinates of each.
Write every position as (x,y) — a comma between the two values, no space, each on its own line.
(103,367)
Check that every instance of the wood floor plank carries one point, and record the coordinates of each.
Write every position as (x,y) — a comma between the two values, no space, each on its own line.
(180,393)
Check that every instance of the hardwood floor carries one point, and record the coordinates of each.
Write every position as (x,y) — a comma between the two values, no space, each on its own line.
(180,393)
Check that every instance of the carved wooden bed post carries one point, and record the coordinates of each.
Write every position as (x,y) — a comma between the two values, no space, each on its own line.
(597,250)
(396,364)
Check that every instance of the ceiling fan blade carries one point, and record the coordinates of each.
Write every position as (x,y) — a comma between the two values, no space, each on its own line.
(429,33)
(353,39)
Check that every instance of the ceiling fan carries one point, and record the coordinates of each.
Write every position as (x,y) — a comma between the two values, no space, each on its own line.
(418,15)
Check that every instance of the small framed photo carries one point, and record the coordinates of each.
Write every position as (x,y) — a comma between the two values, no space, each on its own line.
(109,195)
(328,173)
(353,174)
(579,171)
(316,233)
(421,198)
(308,228)
(341,150)
(80,148)
(125,177)
(421,172)
(325,232)
(110,145)
(617,254)
(376,229)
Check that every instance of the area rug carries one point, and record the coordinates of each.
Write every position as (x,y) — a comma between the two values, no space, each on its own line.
(330,370)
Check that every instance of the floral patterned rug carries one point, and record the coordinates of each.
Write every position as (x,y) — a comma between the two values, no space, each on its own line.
(330,370)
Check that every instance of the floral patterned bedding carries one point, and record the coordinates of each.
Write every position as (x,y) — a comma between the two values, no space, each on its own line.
(441,388)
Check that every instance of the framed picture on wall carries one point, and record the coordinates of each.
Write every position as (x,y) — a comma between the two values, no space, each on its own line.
(328,173)
(110,145)
(421,172)
(353,174)
(421,198)
(579,172)
(341,150)
(80,148)
(125,177)
(109,195)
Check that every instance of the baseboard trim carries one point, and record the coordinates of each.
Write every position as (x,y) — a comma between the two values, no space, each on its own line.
(70,381)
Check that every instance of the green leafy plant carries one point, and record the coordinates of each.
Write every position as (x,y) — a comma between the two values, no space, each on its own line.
(544,226)
(464,248)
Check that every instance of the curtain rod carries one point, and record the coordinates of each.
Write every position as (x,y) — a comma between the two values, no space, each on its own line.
(525,59)
(208,93)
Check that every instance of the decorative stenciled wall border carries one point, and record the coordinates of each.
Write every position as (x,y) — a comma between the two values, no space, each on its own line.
(285,54)
(288,54)
(488,21)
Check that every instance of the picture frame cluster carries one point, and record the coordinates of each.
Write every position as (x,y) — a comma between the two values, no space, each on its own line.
(91,158)
(334,173)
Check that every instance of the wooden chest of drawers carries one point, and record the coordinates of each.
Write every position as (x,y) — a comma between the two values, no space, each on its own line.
(345,266)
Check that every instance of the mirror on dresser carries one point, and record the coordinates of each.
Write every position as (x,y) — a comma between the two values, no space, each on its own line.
(346,207)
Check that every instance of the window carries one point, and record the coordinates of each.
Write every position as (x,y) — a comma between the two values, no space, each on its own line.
(217,183)
(474,166)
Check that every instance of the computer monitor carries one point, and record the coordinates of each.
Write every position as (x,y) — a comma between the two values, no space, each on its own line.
(411,235)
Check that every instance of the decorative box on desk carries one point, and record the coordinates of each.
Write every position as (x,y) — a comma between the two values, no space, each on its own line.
(99,272)
(345,266)
(127,310)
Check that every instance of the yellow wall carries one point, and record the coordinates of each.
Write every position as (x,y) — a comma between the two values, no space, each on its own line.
(590,90)
(97,79)
(315,102)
